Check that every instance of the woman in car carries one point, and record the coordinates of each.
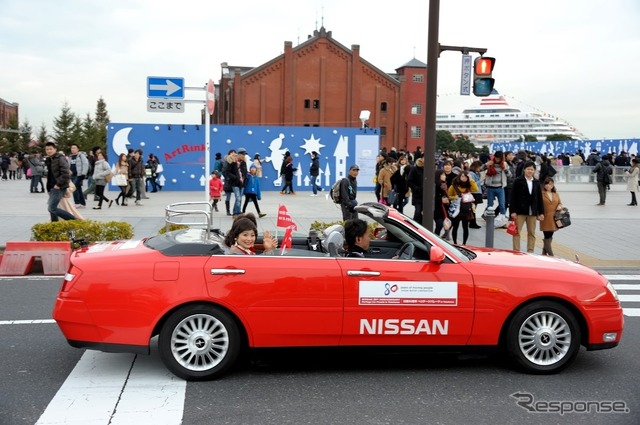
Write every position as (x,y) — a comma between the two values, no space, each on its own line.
(242,238)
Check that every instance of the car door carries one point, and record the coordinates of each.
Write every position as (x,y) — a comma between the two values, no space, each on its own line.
(282,300)
(406,302)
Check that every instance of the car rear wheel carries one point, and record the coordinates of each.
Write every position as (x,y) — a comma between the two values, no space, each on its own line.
(543,337)
(199,342)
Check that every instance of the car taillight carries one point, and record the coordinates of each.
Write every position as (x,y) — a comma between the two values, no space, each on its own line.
(70,278)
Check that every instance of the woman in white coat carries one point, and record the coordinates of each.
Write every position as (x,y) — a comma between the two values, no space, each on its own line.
(633,174)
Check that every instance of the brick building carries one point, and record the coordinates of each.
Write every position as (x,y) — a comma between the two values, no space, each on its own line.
(321,83)
(8,112)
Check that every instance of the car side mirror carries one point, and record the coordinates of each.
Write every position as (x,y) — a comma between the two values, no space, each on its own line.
(380,234)
(436,255)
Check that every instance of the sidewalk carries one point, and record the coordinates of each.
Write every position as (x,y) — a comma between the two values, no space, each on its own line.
(602,236)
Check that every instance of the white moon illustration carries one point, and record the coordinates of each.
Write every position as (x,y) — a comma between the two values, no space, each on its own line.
(120,141)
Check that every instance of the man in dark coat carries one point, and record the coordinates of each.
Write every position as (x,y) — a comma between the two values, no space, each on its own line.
(415,182)
(58,179)
(526,205)
(348,193)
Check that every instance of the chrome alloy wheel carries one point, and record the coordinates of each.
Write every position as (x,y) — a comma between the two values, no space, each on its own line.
(544,338)
(199,342)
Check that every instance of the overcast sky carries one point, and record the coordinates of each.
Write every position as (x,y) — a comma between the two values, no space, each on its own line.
(575,59)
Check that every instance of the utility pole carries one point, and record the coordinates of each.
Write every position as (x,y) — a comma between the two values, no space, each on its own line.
(433,53)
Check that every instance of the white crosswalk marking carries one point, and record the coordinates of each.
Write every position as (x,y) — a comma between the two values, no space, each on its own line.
(628,293)
(117,389)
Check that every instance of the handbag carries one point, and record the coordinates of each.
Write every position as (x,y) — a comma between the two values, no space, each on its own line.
(391,196)
(108,177)
(562,218)
(120,180)
(454,208)
(446,223)
(512,228)
(478,198)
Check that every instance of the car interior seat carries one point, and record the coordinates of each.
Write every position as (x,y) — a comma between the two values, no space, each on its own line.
(334,240)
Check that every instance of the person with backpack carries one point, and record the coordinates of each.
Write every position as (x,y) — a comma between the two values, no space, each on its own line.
(348,193)
(603,171)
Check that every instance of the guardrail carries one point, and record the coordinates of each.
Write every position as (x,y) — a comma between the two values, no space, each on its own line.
(585,174)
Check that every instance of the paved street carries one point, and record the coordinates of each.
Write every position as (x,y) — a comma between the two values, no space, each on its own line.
(603,236)
(45,381)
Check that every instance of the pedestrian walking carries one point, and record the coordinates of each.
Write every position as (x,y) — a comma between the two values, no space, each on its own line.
(633,180)
(314,172)
(603,171)
(79,166)
(58,179)
(215,189)
(348,193)
(252,190)
(101,171)
(552,203)
(526,205)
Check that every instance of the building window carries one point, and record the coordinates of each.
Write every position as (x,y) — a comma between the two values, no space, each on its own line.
(307,103)
(416,132)
(383,107)
(416,109)
(316,103)
(383,131)
(418,78)
(307,125)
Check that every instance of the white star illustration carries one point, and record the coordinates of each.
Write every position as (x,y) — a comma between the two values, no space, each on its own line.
(311,144)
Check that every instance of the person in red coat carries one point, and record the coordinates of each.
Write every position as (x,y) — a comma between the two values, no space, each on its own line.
(215,189)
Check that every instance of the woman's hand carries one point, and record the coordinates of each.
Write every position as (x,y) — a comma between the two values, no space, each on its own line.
(269,242)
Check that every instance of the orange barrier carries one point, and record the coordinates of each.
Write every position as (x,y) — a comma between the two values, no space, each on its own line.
(19,257)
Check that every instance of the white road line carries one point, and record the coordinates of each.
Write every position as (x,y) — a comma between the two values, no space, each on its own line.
(629,298)
(117,389)
(26,322)
(622,276)
(627,286)
(632,312)
(33,277)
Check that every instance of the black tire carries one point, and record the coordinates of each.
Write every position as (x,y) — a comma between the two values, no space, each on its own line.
(199,342)
(543,338)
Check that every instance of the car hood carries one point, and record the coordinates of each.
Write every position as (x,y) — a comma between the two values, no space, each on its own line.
(527,265)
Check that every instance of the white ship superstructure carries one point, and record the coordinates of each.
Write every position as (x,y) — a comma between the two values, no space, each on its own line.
(495,121)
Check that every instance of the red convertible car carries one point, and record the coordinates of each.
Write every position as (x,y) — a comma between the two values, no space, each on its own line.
(206,305)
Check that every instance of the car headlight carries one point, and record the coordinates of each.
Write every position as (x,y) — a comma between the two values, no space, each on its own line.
(612,290)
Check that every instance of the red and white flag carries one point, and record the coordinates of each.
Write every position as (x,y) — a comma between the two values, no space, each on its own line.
(284,219)
(286,240)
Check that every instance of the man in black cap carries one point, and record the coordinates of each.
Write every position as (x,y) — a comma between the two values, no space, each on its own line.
(239,172)
(348,193)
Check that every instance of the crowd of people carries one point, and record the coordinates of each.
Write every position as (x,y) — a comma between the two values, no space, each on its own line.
(519,186)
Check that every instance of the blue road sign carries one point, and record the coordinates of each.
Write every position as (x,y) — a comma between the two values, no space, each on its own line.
(166,87)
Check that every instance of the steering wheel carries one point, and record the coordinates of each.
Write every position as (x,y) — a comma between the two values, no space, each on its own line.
(406,251)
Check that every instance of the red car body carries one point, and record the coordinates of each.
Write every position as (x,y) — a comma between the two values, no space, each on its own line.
(118,295)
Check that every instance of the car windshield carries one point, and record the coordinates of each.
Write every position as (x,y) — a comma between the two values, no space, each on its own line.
(462,254)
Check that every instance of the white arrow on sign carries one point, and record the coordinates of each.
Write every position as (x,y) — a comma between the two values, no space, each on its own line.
(170,87)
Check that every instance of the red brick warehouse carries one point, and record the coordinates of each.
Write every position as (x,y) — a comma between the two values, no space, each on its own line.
(321,83)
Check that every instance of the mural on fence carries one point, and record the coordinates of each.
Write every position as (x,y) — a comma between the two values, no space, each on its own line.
(571,146)
(181,151)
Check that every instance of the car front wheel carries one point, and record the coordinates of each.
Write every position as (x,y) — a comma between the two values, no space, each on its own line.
(199,342)
(543,337)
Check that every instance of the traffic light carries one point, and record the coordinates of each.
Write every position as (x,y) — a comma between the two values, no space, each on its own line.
(482,81)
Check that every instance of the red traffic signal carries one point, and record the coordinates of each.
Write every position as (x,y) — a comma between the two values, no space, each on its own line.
(483,66)
(482,81)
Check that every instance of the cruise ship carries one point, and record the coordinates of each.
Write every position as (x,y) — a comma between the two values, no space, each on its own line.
(494,121)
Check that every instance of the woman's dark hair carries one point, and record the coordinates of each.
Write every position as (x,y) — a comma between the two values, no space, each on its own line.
(437,174)
(460,183)
(475,165)
(549,180)
(239,225)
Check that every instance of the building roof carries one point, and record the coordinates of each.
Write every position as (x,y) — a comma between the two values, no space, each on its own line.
(413,63)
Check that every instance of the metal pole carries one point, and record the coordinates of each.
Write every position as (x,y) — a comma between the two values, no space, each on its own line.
(433,51)
(207,147)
